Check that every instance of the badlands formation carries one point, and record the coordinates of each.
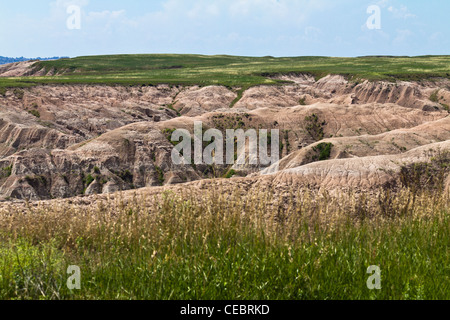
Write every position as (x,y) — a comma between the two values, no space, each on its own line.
(91,141)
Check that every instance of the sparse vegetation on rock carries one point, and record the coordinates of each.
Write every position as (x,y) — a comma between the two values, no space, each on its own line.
(35,113)
(19,93)
(427,176)
(322,151)
(315,127)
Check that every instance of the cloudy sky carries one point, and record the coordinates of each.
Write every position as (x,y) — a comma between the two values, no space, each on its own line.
(34,28)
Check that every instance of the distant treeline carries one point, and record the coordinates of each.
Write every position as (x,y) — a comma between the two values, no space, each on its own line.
(5,60)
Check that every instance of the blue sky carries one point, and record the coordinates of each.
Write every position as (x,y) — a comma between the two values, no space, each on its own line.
(33,28)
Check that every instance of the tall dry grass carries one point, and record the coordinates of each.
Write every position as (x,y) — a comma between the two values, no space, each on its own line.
(304,245)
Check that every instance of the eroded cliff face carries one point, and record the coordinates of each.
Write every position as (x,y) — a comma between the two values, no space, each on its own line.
(59,141)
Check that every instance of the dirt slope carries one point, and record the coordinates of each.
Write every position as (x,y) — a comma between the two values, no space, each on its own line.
(60,141)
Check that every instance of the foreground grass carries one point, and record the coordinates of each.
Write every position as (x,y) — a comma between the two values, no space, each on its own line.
(230,71)
(228,247)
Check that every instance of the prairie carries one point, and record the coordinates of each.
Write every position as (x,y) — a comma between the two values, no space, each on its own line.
(230,71)
(86,178)
(224,246)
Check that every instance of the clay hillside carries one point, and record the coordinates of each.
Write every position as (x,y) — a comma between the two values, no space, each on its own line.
(89,127)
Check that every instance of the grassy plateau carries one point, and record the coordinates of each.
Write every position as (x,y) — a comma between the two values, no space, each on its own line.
(231,71)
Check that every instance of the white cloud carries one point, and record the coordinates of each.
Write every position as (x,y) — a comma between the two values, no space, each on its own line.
(282,27)
(312,33)
(66,3)
(105,14)
(383,3)
(199,11)
(247,7)
(402,13)
(59,7)
(402,36)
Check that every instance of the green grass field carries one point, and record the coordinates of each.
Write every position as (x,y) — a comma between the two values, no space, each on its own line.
(185,247)
(228,70)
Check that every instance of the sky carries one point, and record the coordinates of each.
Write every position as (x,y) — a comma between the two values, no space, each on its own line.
(343,28)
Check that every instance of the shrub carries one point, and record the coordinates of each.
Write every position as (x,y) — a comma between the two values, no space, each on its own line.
(168,133)
(434,96)
(7,171)
(315,127)
(36,181)
(323,152)
(19,93)
(126,176)
(160,175)
(35,113)
(170,106)
(230,174)
(426,176)
(88,180)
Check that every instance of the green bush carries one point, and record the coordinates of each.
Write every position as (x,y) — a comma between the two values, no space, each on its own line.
(323,151)
(434,96)
(35,113)
(88,180)
(7,171)
(446,107)
(19,93)
(315,127)
(126,176)
(168,133)
(230,174)
(160,175)
(170,106)
(429,176)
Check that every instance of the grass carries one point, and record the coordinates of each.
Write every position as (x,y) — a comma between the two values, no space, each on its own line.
(224,246)
(170,106)
(240,92)
(88,180)
(34,113)
(231,71)
(160,175)
(230,174)
(168,132)
(434,96)
(6,171)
